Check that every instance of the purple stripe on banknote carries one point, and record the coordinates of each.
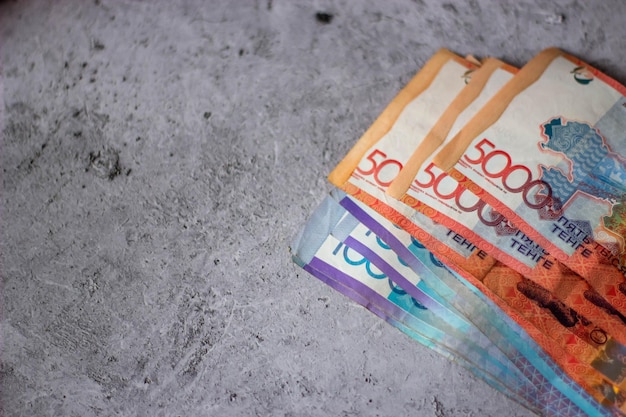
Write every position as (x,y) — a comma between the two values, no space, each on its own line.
(363,290)
(393,274)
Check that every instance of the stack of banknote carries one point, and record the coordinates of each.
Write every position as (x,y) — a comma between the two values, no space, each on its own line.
(484,214)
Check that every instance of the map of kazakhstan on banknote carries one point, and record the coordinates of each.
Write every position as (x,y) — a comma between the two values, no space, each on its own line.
(342,268)
(548,153)
(447,282)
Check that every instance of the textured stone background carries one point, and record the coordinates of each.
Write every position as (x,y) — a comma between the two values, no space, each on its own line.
(157,158)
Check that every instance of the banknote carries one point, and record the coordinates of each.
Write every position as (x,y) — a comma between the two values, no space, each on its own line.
(422,186)
(354,276)
(547,152)
(443,199)
(365,171)
(596,328)
(493,75)
(407,315)
(564,326)
(428,94)
(435,311)
(446,282)
(499,282)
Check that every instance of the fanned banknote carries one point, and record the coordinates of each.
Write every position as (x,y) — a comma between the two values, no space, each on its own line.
(422,186)
(547,152)
(441,198)
(372,165)
(428,94)
(405,313)
(481,312)
(558,325)
(495,239)
(353,274)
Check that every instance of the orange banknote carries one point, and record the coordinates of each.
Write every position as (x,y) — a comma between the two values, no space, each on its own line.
(379,160)
(548,153)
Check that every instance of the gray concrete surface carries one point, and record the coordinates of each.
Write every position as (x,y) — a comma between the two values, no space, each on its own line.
(157,158)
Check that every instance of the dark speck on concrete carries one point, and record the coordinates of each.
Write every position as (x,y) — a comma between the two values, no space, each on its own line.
(450,8)
(97,45)
(440,411)
(207,114)
(105,163)
(324,17)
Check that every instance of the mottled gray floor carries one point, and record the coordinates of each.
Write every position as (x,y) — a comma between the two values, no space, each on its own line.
(157,158)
